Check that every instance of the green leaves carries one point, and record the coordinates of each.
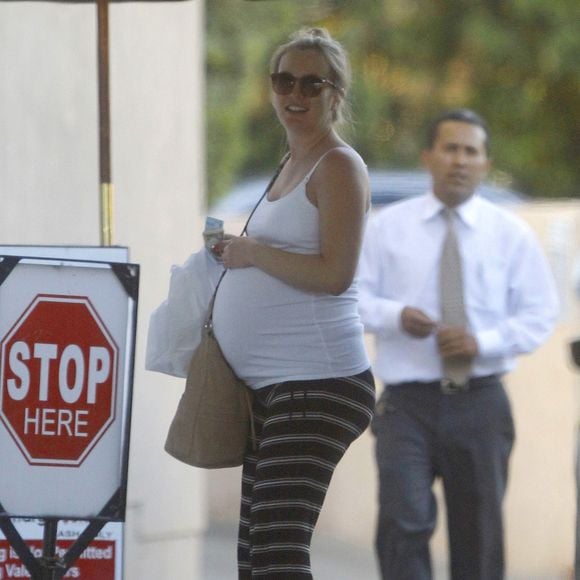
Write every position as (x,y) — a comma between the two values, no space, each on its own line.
(515,61)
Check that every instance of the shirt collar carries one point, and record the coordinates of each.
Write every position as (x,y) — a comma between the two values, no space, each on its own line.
(467,211)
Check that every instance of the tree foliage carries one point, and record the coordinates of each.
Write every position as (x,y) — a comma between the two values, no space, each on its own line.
(514,61)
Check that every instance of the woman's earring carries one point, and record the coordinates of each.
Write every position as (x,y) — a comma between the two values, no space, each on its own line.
(334,108)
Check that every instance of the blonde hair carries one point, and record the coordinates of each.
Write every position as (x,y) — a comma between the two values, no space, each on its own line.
(319,39)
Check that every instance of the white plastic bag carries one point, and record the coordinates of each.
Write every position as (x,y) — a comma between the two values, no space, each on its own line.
(175,325)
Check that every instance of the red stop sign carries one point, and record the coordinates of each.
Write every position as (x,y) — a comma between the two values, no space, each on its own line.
(58,374)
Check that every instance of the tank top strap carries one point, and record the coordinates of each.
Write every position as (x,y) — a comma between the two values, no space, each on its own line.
(309,174)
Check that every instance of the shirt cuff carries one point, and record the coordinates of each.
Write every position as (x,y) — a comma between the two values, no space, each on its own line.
(391,318)
(489,343)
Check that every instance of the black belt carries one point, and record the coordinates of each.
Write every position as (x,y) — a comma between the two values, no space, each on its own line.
(448,387)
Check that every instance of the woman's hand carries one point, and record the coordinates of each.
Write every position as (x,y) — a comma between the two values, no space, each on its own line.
(236,252)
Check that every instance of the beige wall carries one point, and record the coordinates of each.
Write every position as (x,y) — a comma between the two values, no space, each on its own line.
(540,510)
(49,192)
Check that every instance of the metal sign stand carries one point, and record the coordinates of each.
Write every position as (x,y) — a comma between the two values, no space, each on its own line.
(53,564)
(49,560)
(50,566)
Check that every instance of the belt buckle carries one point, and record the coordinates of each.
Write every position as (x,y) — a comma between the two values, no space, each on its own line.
(448,387)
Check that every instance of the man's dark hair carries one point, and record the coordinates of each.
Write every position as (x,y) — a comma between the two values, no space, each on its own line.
(461,115)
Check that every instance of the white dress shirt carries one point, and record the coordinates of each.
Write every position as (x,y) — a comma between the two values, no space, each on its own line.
(510,296)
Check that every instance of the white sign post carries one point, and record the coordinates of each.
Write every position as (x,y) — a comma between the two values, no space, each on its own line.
(67,334)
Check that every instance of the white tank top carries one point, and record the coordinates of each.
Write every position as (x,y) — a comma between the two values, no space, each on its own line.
(271,332)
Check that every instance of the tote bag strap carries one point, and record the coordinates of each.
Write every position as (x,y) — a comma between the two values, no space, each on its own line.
(208,322)
(268,188)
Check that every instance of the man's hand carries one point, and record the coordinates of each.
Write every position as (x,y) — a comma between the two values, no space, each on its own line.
(416,323)
(456,342)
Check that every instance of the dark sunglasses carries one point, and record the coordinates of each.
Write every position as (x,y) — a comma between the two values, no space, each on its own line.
(310,85)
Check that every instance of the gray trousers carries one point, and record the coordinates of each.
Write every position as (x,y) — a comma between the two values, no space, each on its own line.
(465,439)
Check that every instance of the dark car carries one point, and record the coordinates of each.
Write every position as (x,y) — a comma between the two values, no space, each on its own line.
(387,186)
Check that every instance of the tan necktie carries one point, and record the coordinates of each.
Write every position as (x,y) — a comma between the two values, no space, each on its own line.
(452,305)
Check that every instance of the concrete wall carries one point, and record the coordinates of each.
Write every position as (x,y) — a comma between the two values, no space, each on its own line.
(49,189)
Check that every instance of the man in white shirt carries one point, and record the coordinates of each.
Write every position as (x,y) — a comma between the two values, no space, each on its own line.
(454,289)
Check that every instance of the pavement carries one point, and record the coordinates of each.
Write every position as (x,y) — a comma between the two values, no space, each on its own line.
(331,559)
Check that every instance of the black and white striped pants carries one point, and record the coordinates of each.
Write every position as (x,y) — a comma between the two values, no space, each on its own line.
(303,429)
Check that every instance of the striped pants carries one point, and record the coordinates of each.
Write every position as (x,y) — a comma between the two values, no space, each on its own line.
(303,429)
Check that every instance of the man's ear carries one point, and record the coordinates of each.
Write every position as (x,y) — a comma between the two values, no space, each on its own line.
(426,158)
(334,106)
(489,165)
